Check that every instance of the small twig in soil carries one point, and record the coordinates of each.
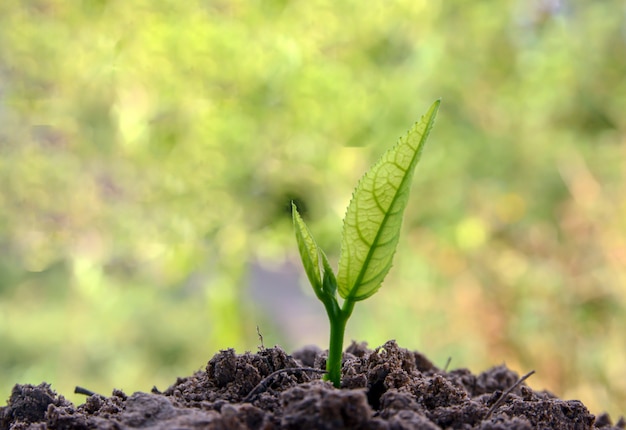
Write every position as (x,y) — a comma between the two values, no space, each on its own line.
(86,392)
(264,384)
(258,331)
(445,369)
(506,393)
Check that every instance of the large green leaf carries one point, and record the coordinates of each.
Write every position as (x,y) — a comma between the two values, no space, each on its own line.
(372,224)
(309,251)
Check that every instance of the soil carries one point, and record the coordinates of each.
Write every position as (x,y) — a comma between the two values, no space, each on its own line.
(386,388)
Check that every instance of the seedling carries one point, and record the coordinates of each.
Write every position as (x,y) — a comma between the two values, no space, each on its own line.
(371,229)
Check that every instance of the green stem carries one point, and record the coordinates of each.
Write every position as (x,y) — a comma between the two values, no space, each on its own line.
(338,319)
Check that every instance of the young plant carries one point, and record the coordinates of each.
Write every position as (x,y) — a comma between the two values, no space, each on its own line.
(371,229)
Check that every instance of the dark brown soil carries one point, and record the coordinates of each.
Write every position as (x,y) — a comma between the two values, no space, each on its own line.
(388,388)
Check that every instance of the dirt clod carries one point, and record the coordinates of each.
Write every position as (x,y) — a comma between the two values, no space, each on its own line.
(382,389)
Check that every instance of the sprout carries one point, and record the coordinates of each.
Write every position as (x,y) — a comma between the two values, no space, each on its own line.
(371,230)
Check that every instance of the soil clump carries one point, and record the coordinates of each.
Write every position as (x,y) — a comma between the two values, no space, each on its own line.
(385,388)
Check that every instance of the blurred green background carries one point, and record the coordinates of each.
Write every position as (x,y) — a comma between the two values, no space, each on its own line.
(149,151)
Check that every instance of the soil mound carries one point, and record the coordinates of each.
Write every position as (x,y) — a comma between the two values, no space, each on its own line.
(386,388)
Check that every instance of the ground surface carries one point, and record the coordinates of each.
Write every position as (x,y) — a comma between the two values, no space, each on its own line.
(386,388)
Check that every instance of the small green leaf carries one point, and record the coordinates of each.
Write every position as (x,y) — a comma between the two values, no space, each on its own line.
(371,228)
(329,282)
(309,251)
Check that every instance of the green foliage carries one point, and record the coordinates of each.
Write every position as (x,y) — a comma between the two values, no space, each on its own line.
(371,230)
(309,252)
(147,159)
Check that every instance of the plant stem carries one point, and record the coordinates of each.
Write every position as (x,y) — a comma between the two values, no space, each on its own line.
(338,319)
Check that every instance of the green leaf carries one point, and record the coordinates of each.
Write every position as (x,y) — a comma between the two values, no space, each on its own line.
(371,228)
(309,251)
(329,282)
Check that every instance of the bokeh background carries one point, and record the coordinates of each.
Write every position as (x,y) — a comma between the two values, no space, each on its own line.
(149,151)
